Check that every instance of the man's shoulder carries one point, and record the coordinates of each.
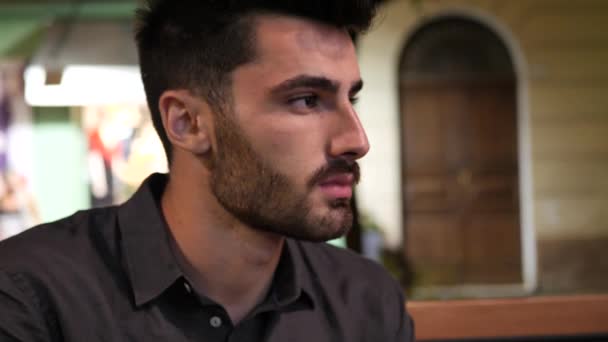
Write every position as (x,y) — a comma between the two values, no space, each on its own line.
(345,265)
(356,289)
(67,242)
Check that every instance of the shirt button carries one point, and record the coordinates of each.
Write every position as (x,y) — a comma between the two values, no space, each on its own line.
(187,287)
(215,322)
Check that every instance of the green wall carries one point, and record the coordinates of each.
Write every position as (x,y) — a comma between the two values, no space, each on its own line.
(60,167)
(21,23)
(60,184)
(17,36)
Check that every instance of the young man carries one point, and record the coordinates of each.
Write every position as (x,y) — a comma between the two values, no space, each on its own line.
(253,101)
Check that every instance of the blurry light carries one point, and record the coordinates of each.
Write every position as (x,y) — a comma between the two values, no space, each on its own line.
(83,85)
(68,70)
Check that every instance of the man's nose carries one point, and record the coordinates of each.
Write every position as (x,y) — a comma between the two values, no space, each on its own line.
(348,139)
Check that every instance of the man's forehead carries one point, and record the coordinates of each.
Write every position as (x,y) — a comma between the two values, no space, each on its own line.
(290,47)
(289,32)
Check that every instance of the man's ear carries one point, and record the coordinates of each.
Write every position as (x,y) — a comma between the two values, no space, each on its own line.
(186,119)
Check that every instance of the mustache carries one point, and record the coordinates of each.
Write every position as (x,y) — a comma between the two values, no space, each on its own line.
(336,166)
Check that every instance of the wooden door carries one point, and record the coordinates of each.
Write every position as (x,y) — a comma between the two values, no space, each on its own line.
(460,181)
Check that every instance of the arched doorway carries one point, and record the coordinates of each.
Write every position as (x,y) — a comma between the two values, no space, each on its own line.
(459,156)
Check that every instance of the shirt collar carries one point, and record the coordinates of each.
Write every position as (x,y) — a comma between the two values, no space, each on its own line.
(152,267)
(150,262)
(291,282)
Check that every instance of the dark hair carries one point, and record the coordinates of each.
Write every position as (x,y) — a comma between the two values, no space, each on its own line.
(196,44)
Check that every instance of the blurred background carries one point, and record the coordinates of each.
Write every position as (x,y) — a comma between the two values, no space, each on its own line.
(488,119)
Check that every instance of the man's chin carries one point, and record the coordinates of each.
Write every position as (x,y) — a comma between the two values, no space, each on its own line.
(324,229)
(330,228)
(321,237)
(328,222)
(340,204)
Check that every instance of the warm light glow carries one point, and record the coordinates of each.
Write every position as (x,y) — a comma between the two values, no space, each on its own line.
(83,85)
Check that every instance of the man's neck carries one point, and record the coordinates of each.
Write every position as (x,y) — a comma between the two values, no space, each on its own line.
(228,262)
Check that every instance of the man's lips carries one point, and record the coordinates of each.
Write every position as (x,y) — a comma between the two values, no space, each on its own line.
(338,186)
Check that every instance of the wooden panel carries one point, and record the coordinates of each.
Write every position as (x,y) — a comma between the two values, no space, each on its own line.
(459,156)
(566,27)
(433,246)
(525,317)
(427,193)
(502,227)
(495,192)
(573,265)
(460,182)
(425,131)
(565,176)
(567,5)
(568,139)
(494,122)
(547,100)
(435,238)
(563,64)
(569,118)
(492,249)
(528,8)
(571,216)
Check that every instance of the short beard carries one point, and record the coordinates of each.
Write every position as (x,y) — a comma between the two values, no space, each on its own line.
(262,198)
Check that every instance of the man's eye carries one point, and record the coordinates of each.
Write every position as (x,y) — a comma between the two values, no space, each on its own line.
(305,102)
(354,100)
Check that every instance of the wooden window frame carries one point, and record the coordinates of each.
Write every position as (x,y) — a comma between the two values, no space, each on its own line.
(510,318)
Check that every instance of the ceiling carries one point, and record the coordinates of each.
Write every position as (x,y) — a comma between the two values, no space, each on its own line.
(46,2)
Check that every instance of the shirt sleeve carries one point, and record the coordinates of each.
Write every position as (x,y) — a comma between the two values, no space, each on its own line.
(403,327)
(406,331)
(21,319)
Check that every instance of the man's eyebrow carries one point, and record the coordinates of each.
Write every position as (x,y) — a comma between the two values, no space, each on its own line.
(307,81)
(356,87)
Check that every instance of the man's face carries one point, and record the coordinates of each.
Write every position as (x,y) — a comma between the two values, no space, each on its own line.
(285,153)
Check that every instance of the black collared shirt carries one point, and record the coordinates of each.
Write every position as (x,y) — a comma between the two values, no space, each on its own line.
(109,275)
